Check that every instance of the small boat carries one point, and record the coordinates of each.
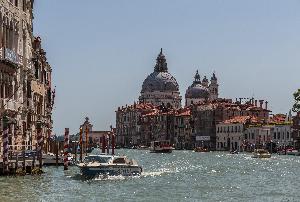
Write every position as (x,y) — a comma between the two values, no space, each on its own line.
(111,165)
(292,152)
(261,153)
(161,147)
(142,147)
(234,152)
(281,152)
(201,149)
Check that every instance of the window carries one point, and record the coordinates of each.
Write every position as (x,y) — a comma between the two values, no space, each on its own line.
(24,5)
(287,135)
(252,136)
(119,160)
(274,135)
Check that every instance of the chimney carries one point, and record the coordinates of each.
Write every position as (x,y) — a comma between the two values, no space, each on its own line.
(261,102)
(255,103)
(266,105)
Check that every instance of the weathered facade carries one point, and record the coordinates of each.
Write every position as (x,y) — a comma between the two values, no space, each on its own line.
(247,132)
(206,115)
(25,76)
(141,123)
(296,130)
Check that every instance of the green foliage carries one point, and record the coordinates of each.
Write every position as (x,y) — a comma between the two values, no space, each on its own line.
(37,171)
(296,106)
(20,172)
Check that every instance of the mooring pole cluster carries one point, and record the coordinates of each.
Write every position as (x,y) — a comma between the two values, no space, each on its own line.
(106,140)
(5,145)
(80,143)
(86,140)
(66,148)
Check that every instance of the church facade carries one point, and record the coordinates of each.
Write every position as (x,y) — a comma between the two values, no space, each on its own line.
(161,87)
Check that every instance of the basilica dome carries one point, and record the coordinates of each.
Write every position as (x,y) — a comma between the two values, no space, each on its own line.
(197,90)
(160,79)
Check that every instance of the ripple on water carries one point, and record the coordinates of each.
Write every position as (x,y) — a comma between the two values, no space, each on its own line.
(180,176)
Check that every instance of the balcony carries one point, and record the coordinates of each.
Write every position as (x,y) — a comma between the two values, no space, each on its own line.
(7,104)
(9,56)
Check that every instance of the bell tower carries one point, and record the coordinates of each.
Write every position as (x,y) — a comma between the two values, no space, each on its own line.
(213,87)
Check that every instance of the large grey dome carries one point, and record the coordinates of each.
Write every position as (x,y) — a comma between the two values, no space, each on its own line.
(160,81)
(197,90)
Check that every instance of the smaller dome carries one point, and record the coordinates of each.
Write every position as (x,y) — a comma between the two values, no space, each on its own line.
(197,90)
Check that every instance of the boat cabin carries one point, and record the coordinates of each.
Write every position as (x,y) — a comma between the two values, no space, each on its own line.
(163,143)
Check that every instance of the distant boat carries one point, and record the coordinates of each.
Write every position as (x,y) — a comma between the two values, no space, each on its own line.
(161,147)
(201,149)
(142,147)
(292,152)
(106,164)
(261,153)
(234,152)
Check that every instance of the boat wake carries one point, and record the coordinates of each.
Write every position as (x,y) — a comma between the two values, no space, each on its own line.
(152,174)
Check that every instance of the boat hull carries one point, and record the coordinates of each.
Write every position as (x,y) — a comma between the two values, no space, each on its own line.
(161,151)
(111,170)
(262,156)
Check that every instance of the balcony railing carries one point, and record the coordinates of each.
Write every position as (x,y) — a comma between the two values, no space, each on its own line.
(7,104)
(10,56)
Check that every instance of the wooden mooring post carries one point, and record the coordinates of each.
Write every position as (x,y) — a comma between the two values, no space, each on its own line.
(81,146)
(5,145)
(66,149)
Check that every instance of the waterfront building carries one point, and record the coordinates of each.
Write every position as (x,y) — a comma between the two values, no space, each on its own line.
(160,87)
(296,130)
(183,130)
(26,96)
(168,123)
(94,136)
(141,123)
(200,92)
(128,124)
(206,115)
(230,133)
(247,132)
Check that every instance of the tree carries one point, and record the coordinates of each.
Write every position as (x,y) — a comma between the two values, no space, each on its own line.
(296,106)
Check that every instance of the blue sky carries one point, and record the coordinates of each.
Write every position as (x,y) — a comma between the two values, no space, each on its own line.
(101,51)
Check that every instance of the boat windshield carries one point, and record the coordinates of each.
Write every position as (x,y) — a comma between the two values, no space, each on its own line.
(100,159)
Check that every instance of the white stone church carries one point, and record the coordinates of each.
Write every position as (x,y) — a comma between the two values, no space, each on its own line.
(160,87)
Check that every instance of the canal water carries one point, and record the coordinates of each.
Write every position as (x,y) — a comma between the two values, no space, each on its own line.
(180,176)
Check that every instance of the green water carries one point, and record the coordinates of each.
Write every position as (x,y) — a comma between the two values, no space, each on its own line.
(180,176)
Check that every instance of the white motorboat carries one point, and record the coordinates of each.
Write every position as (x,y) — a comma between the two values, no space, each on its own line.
(261,153)
(105,164)
(161,147)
